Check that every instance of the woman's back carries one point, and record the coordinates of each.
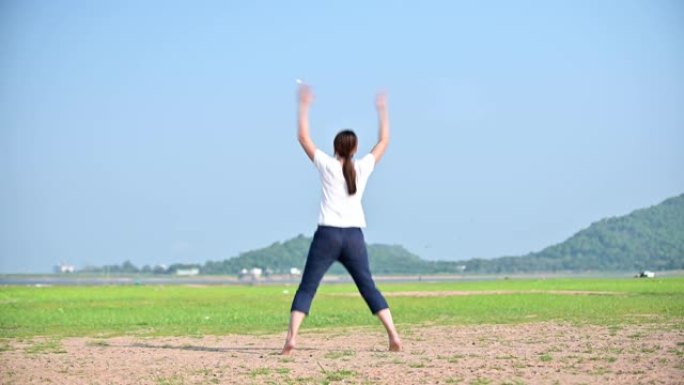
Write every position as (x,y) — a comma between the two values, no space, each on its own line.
(339,208)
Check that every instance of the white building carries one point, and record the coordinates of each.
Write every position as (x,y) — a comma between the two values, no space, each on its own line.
(253,273)
(188,272)
(64,268)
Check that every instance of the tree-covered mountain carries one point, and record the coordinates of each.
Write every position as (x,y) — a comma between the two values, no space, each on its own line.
(646,239)
(280,257)
(650,238)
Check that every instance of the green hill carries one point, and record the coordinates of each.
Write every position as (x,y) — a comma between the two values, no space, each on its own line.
(650,238)
(280,257)
(647,239)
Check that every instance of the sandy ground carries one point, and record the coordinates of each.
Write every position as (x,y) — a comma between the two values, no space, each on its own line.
(535,353)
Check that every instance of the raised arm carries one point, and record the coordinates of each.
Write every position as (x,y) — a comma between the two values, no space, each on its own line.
(383,127)
(304,102)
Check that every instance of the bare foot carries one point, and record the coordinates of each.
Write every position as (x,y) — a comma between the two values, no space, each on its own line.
(288,348)
(395,345)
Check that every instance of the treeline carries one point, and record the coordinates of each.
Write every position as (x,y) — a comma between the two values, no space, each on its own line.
(279,258)
(129,268)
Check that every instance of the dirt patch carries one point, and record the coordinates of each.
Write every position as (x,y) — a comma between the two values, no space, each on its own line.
(540,353)
(452,293)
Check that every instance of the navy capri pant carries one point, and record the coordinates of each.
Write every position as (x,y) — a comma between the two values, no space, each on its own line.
(348,246)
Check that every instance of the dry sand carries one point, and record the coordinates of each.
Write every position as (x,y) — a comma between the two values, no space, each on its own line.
(534,353)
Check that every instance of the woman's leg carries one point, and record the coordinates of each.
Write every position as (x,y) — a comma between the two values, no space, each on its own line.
(324,250)
(385,317)
(296,318)
(354,257)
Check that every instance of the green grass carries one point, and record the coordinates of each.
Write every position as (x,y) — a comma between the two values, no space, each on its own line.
(5,346)
(98,343)
(260,372)
(51,346)
(545,357)
(104,311)
(338,375)
(481,381)
(340,354)
(173,380)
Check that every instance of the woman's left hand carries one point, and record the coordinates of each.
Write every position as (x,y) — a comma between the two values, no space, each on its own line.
(305,95)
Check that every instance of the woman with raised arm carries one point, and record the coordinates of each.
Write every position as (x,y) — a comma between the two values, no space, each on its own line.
(339,236)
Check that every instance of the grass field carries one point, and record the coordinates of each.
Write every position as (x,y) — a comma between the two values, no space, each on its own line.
(107,311)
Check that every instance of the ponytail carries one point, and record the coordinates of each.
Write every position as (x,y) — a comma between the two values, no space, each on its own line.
(349,175)
(345,146)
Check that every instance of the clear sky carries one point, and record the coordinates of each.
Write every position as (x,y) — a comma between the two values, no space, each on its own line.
(161,132)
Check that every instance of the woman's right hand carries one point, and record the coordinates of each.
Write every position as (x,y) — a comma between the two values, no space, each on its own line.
(381,101)
(383,126)
(305,95)
(305,99)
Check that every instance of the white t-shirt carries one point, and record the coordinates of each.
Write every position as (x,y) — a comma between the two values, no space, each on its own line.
(338,208)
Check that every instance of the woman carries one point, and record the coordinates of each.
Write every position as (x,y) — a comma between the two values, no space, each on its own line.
(339,236)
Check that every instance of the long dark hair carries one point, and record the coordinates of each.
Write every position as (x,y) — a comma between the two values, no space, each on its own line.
(345,145)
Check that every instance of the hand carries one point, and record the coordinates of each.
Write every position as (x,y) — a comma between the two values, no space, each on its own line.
(383,126)
(381,101)
(305,95)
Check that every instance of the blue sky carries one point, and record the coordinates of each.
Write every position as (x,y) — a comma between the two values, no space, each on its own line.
(162,132)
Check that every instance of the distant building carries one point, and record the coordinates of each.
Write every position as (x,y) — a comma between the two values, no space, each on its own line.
(188,272)
(253,273)
(295,271)
(63,268)
(646,274)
